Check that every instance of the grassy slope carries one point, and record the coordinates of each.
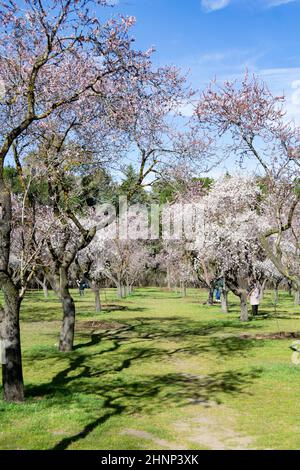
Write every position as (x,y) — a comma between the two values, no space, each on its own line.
(177,376)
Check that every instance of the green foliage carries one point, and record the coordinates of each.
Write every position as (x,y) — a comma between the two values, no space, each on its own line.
(11,178)
(164,191)
(130,187)
(38,189)
(206,182)
(97,187)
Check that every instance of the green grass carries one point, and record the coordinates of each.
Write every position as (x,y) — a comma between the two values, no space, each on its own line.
(165,373)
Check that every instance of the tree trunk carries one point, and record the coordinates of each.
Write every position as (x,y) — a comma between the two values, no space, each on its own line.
(45,289)
(98,306)
(128,288)
(66,341)
(210,300)
(168,278)
(244,307)
(290,289)
(224,301)
(183,289)
(119,291)
(123,291)
(44,286)
(297,297)
(12,374)
(263,286)
(276,295)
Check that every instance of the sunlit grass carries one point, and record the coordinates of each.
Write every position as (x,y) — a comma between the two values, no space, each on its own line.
(162,372)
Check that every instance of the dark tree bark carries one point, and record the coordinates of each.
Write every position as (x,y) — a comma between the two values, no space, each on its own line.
(12,375)
(66,340)
(210,300)
(62,260)
(98,306)
(67,333)
(244,316)
(238,284)
(224,301)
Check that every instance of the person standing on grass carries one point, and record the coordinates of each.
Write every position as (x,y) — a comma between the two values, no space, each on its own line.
(218,288)
(218,295)
(81,287)
(255,296)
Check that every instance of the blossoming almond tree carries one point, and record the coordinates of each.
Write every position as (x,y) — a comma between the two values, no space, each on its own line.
(158,136)
(230,241)
(122,261)
(65,146)
(175,260)
(249,122)
(51,55)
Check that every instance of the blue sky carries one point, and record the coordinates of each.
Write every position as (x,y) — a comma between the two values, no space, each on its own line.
(221,38)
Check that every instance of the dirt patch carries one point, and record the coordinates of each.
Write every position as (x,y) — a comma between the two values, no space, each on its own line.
(150,437)
(278,335)
(113,307)
(59,432)
(98,325)
(214,432)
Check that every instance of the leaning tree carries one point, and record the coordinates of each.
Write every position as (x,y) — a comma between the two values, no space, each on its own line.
(52,55)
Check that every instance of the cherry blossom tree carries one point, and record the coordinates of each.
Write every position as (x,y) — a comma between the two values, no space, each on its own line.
(122,261)
(272,276)
(52,55)
(230,242)
(159,136)
(247,121)
(176,261)
(281,239)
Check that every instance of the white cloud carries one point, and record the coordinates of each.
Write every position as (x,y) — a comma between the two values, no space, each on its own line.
(284,81)
(277,3)
(231,65)
(214,57)
(295,99)
(213,5)
(219,64)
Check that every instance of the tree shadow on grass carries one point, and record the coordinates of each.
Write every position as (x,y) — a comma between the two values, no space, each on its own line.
(95,369)
(158,391)
(234,345)
(125,396)
(161,329)
(148,330)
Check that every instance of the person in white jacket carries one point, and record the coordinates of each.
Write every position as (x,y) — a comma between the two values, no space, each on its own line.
(255,296)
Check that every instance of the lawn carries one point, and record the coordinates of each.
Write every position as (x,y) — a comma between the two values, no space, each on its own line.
(156,371)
